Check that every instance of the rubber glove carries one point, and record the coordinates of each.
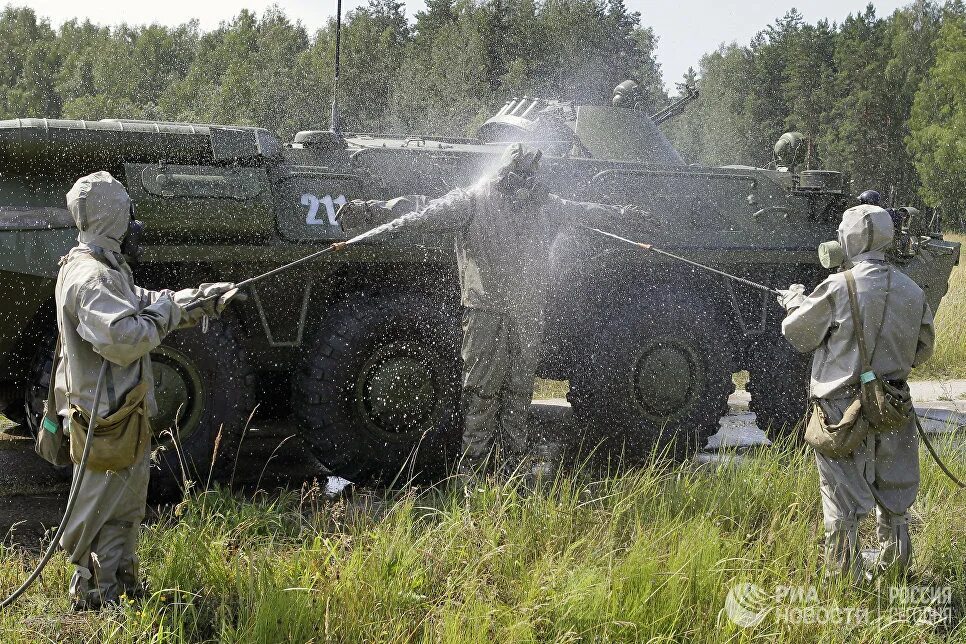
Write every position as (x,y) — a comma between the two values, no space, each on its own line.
(353,215)
(792,297)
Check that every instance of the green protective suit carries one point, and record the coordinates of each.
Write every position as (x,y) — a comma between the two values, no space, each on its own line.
(503,246)
(883,473)
(101,313)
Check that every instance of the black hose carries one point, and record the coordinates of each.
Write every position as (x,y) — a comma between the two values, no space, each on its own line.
(71,498)
(932,452)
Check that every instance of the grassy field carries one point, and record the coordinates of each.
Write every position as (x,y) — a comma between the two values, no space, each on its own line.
(649,556)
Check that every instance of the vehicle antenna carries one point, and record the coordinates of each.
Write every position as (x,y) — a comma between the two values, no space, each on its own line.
(334,125)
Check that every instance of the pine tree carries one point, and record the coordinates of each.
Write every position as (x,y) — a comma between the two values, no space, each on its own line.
(938,124)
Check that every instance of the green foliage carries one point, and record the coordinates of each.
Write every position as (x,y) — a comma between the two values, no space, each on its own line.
(27,63)
(646,556)
(446,73)
(851,89)
(938,124)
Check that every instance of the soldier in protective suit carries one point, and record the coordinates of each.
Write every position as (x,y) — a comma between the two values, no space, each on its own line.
(883,472)
(102,314)
(504,228)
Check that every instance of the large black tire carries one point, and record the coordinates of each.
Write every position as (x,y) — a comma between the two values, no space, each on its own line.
(204,380)
(778,384)
(378,393)
(657,378)
(201,379)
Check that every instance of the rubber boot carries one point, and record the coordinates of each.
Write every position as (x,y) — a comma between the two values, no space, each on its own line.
(895,546)
(842,556)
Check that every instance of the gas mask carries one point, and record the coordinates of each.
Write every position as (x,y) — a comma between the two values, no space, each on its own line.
(519,182)
(131,243)
(522,188)
(831,254)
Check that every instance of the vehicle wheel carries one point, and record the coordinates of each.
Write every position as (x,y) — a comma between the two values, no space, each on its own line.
(203,385)
(778,384)
(378,394)
(658,377)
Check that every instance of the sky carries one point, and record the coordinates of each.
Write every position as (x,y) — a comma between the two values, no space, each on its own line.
(686,29)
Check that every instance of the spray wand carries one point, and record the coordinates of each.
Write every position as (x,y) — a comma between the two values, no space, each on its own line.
(655,249)
(281,269)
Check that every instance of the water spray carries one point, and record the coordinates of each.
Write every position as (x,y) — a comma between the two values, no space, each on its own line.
(655,249)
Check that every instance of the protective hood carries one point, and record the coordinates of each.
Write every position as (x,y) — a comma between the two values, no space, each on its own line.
(101,209)
(865,233)
(516,176)
(519,159)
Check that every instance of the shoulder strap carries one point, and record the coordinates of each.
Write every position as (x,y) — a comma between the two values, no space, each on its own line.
(857,323)
(885,311)
(50,421)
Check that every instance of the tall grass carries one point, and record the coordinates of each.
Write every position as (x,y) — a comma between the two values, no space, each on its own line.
(647,556)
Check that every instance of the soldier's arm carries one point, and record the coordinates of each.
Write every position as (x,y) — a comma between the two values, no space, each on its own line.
(119,331)
(927,336)
(807,326)
(570,213)
(413,211)
(181,298)
(147,297)
(360,215)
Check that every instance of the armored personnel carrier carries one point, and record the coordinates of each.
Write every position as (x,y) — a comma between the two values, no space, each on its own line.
(361,347)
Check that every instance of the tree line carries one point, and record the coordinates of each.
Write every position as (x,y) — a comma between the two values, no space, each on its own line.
(882,98)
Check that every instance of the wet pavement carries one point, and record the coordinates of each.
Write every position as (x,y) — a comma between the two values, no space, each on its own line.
(32,494)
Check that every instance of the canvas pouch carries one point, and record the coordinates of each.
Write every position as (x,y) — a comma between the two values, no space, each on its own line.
(119,440)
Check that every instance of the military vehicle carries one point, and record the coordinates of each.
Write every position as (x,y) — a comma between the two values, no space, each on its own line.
(361,347)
